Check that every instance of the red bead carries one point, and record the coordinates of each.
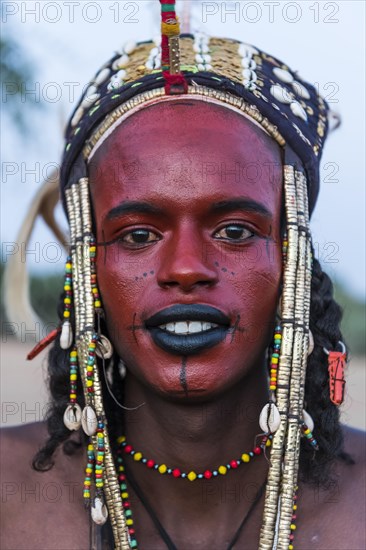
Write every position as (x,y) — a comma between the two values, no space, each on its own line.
(128,449)
(207,474)
(233,464)
(294,516)
(121,477)
(126,504)
(150,463)
(176,472)
(132,531)
(257,451)
(291,537)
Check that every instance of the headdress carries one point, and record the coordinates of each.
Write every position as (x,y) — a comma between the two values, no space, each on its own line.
(241,77)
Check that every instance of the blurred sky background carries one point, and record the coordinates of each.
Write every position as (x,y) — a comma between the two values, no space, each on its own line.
(64,43)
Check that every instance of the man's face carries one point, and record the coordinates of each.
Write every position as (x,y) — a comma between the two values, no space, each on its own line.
(187,201)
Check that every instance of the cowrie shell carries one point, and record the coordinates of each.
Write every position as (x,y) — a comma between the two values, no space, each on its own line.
(102,76)
(72,416)
(74,122)
(269,419)
(300,90)
(298,110)
(283,75)
(308,420)
(66,331)
(281,94)
(89,420)
(99,512)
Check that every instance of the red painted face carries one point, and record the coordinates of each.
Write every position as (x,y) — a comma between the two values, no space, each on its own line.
(187,201)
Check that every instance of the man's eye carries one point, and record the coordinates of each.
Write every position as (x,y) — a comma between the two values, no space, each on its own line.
(140,236)
(234,232)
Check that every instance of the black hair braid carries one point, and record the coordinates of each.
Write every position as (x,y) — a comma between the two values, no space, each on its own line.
(59,388)
(325,319)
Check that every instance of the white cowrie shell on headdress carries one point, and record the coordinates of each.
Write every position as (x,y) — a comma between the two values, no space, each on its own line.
(154,52)
(269,419)
(99,512)
(121,62)
(102,76)
(89,420)
(249,85)
(246,50)
(308,420)
(66,333)
(72,416)
(91,90)
(201,47)
(283,75)
(249,75)
(77,117)
(311,343)
(157,40)
(202,58)
(89,100)
(280,93)
(300,90)
(129,47)
(298,110)
(248,63)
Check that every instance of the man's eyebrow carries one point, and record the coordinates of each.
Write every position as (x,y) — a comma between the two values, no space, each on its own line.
(133,207)
(248,205)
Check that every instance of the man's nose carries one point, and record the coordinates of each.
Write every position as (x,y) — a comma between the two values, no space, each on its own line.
(185,263)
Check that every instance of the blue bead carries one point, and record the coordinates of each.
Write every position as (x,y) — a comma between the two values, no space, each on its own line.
(144,460)
(251,453)
(184,475)
(200,476)
(215,473)
(169,471)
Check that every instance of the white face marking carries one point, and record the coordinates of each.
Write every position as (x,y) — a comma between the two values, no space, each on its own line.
(188,327)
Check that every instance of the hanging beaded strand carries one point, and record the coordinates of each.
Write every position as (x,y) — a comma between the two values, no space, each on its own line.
(72,415)
(66,337)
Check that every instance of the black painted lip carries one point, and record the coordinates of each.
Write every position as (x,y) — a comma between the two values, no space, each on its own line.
(191,343)
(188,312)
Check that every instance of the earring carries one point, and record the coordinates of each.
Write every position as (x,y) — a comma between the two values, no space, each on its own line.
(104,348)
(122,369)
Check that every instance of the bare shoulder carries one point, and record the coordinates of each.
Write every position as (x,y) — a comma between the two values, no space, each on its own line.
(40,508)
(332,518)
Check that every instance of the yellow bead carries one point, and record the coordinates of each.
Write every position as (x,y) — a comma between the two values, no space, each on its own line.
(307,431)
(222,470)
(294,507)
(87,482)
(67,287)
(192,476)
(68,266)
(73,354)
(274,360)
(274,379)
(292,527)
(89,383)
(124,495)
(73,376)
(137,456)
(245,457)
(66,314)
(290,547)
(90,448)
(99,484)
(273,371)
(88,470)
(272,387)
(162,468)
(93,248)
(129,521)
(268,443)
(100,434)
(121,439)
(86,494)
(67,301)
(92,345)
(98,303)
(94,290)
(73,396)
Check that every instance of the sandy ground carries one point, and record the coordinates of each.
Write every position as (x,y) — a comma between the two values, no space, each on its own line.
(24,394)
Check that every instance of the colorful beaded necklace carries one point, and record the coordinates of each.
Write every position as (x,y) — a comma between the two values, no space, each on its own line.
(124,448)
